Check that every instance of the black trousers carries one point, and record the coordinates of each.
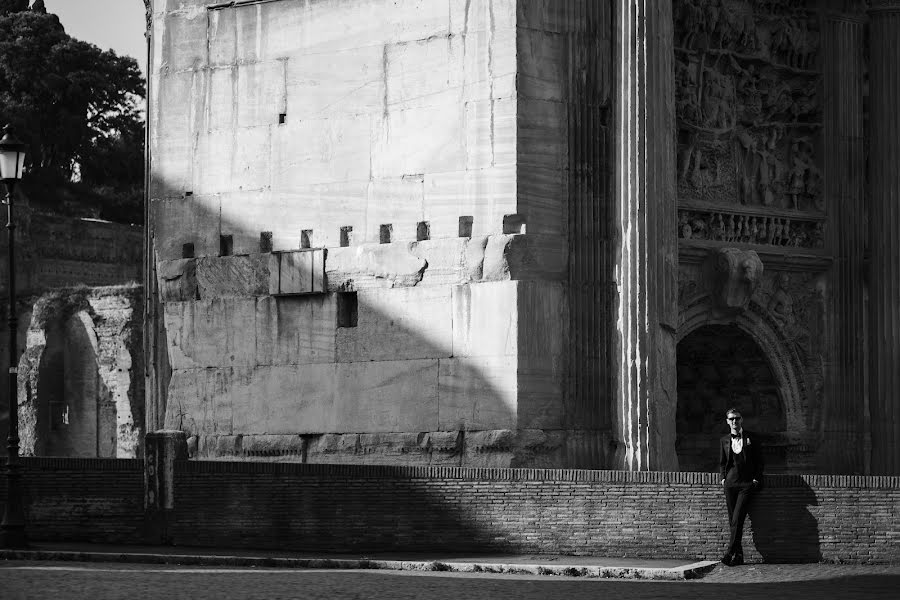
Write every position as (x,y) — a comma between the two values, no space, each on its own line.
(737,497)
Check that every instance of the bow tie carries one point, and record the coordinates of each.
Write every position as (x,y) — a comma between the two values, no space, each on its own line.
(735,437)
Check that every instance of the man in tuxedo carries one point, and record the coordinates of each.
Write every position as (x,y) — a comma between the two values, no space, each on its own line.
(740,468)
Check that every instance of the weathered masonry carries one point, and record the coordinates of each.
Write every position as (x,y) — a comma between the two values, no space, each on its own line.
(558,233)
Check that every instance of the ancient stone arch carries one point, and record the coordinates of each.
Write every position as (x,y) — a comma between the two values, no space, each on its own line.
(783,358)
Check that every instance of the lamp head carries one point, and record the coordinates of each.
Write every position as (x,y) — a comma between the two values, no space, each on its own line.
(12,156)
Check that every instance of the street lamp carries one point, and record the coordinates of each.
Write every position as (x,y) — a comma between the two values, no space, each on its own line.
(12,528)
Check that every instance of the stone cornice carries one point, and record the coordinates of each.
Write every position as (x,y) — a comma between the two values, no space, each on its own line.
(880,6)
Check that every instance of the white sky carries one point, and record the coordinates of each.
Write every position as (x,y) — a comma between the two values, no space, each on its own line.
(116,24)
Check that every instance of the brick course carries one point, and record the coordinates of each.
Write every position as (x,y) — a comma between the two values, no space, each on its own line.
(345,508)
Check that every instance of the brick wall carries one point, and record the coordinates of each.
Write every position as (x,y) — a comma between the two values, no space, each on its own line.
(82,499)
(366,509)
(344,508)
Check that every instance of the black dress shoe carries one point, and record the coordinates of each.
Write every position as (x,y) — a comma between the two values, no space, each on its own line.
(726,560)
(737,560)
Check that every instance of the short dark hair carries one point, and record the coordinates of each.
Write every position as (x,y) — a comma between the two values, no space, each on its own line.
(733,410)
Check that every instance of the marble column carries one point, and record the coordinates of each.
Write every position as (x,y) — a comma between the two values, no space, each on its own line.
(884,275)
(843,425)
(647,253)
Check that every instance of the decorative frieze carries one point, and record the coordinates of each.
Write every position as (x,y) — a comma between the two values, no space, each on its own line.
(732,227)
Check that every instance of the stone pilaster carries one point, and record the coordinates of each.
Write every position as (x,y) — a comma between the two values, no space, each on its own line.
(884,181)
(843,415)
(647,255)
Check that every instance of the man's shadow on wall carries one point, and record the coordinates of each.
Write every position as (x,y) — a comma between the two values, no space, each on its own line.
(783,528)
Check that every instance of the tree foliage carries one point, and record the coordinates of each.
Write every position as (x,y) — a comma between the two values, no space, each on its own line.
(77,107)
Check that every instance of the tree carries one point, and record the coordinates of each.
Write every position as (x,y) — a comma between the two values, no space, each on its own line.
(76,106)
(12,6)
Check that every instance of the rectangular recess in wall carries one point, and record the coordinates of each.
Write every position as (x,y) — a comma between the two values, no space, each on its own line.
(265,241)
(465,226)
(423,231)
(226,245)
(345,235)
(347,309)
(385,233)
(187,250)
(297,272)
(306,239)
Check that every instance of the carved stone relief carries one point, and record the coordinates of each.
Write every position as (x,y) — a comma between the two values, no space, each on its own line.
(747,102)
(724,226)
(734,275)
(785,314)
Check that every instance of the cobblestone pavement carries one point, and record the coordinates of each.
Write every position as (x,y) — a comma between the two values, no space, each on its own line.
(26,580)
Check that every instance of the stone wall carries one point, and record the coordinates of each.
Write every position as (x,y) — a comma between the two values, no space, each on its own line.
(423,149)
(81,376)
(342,508)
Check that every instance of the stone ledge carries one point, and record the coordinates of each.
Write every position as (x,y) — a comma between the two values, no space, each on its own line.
(689,571)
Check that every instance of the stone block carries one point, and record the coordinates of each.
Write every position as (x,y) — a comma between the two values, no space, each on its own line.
(540,402)
(484,194)
(393,448)
(398,324)
(543,64)
(397,201)
(325,27)
(485,319)
(200,401)
(490,64)
(291,399)
(446,259)
(177,280)
(491,133)
(211,333)
(295,330)
(542,134)
(542,310)
(297,272)
(524,257)
(182,39)
(191,220)
(212,162)
(373,265)
(396,395)
(472,16)
(419,140)
(260,95)
(558,16)
(233,276)
(324,150)
(339,83)
(543,199)
(171,132)
(423,73)
(477,393)
(284,446)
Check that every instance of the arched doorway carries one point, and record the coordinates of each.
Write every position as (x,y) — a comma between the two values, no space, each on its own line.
(720,366)
(75,414)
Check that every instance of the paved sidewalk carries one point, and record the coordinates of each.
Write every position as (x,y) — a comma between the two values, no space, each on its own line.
(570,566)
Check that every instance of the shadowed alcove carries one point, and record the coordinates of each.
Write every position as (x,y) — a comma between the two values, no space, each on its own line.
(720,366)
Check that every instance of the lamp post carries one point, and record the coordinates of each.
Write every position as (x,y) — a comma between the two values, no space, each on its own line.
(12,528)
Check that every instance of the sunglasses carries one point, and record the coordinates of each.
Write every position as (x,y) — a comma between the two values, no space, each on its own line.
(734,418)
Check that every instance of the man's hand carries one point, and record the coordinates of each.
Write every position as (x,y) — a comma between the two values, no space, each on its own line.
(755,483)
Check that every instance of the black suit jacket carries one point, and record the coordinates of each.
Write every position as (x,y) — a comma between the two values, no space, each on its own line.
(752,467)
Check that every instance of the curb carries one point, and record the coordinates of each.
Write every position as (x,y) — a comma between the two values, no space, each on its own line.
(690,571)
